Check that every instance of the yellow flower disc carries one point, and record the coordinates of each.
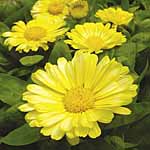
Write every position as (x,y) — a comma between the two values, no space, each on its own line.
(94,37)
(115,15)
(50,7)
(71,98)
(36,33)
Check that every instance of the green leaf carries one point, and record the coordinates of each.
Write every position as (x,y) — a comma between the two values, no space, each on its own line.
(10,115)
(141,37)
(3,60)
(126,54)
(3,27)
(20,13)
(139,110)
(11,89)
(144,25)
(60,50)
(119,142)
(141,15)
(146,4)
(23,135)
(142,75)
(31,60)
(19,72)
(125,4)
(139,133)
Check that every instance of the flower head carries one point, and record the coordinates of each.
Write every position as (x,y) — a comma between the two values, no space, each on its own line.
(36,33)
(72,97)
(96,37)
(115,15)
(78,8)
(50,7)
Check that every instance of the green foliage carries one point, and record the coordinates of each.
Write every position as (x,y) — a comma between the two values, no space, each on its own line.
(21,136)
(7,115)
(124,132)
(139,110)
(119,143)
(11,89)
(31,60)
(60,50)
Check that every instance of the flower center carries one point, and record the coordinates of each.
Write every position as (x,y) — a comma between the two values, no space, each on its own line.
(56,8)
(78,100)
(34,33)
(95,43)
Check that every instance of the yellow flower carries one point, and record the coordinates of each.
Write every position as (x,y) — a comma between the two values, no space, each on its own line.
(71,98)
(96,37)
(115,15)
(79,8)
(36,33)
(50,7)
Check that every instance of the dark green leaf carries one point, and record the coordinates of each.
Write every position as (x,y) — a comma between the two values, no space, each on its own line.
(125,4)
(142,75)
(23,135)
(97,144)
(10,115)
(139,133)
(119,142)
(11,89)
(60,50)
(3,60)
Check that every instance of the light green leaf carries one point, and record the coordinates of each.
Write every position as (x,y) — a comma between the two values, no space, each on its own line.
(23,135)
(11,89)
(31,60)
(141,37)
(126,54)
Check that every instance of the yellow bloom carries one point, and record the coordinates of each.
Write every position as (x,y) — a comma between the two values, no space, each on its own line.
(94,37)
(79,8)
(50,7)
(36,33)
(70,98)
(115,15)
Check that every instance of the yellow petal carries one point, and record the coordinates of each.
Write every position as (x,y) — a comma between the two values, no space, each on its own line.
(122,110)
(95,131)
(26,107)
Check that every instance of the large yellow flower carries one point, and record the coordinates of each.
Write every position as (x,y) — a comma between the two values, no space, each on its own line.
(50,7)
(36,33)
(72,97)
(94,37)
(115,15)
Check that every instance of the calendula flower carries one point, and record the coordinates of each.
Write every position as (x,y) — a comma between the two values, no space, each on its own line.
(36,33)
(78,8)
(94,37)
(50,7)
(115,15)
(71,98)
